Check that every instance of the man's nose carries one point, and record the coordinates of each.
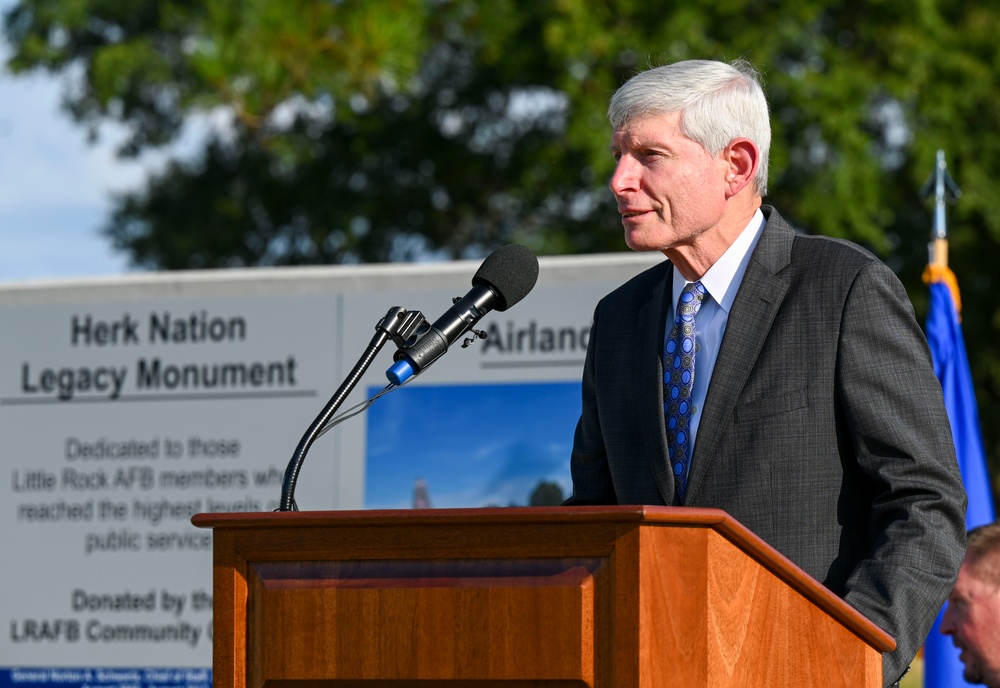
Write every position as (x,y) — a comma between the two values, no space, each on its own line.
(625,177)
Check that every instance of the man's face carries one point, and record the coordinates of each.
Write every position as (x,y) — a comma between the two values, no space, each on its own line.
(669,189)
(973,622)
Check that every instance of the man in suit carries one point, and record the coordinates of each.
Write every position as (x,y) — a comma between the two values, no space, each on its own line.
(780,377)
(973,615)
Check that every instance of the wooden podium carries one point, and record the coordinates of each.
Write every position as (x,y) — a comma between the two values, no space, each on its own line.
(560,596)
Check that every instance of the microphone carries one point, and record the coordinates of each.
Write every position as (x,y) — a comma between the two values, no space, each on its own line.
(504,278)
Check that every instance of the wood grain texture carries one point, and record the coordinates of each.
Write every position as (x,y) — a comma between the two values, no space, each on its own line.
(718,618)
(229,576)
(424,620)
(673,607)
(624,664)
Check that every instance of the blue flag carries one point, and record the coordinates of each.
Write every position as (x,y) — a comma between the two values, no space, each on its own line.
(942,667)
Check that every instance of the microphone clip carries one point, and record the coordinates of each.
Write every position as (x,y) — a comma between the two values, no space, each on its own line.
(403,327)
(476,334)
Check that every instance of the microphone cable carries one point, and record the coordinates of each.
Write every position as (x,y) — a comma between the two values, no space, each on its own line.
(358,408)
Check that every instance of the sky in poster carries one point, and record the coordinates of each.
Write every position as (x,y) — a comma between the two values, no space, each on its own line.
(474,445)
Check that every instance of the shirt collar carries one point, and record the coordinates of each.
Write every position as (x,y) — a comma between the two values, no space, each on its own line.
(722,280)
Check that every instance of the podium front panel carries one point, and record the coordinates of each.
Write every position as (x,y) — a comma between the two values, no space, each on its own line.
(433,620)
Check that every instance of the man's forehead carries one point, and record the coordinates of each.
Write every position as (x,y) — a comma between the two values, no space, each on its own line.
(984,567)
(971,584)
(647,128)
(649,120)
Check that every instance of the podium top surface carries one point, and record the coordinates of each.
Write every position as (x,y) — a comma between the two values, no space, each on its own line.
(549,514)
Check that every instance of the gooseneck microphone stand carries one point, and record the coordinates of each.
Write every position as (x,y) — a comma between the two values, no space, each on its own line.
(399,325)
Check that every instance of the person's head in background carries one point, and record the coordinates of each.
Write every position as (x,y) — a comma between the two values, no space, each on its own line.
(972,618)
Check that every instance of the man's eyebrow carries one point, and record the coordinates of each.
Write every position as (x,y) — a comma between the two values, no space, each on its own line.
(630,142)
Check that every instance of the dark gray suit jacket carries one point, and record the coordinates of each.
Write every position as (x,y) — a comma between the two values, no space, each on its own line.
(823,429)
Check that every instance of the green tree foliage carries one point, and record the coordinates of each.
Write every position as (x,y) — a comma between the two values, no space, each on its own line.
(354,130)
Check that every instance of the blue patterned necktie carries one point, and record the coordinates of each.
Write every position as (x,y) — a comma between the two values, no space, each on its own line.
(678,381)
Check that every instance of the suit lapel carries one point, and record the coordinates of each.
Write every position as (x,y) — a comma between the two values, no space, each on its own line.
(650,322)
(757,302)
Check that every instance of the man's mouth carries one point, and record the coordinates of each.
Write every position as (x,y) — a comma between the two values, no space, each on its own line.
(633,213)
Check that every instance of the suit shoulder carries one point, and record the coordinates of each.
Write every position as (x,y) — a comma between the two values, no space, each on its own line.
(832,269)
(639,286)
(827,254)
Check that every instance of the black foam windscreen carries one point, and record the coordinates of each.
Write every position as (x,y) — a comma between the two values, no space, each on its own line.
(511,271)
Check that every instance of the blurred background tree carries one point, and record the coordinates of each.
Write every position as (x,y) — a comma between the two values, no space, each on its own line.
(546,493)
(345,131)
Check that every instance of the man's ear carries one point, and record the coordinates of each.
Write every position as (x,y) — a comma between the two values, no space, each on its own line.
(742,160)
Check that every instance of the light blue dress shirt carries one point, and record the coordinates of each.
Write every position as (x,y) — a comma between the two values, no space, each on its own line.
(722,281)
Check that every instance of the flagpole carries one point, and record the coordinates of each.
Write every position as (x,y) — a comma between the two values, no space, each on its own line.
(942,665)
(945,189)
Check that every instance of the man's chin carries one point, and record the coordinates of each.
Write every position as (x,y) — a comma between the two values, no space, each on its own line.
(642,248)
(972,675)
(638,242)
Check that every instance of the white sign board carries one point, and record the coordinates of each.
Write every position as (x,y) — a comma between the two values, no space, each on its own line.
(128,405)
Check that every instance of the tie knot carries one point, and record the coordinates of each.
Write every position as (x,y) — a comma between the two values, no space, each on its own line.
(690,301)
